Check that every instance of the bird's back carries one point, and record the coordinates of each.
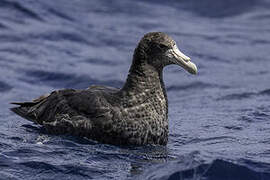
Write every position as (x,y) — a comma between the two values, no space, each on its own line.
(64,110)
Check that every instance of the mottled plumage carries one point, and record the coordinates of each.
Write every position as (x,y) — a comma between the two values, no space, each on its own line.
(136,114)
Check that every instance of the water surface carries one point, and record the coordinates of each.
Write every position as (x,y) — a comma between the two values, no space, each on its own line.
(219,119)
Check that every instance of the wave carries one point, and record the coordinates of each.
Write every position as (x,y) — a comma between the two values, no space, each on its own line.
(216,170)
(261,16)
(211,57)
(214,8)
(261,113)
(17,6)
(237,96)
(60,36)
(59,14)
(220,8)
(264,92)
(4,87)
(102,62)
(194,85)
(33,129)
(10,38)
(244,95)
(2,26)
(65,80)
(45,170)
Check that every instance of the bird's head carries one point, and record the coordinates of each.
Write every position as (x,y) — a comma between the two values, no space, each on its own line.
(158,50)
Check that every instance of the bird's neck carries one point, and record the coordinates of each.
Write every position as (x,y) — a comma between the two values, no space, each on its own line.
(143,77)
(144,82)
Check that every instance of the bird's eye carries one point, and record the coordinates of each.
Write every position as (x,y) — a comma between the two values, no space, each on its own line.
(162,46)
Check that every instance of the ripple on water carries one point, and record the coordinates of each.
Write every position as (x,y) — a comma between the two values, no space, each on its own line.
(57,36)
(102,62)
(195,85)
(4,87)
(17,6)
(262,17)
(237,96)
(261,113)
(65,80)
(244,95)
(217,169)
(2,26)
(59,14)
(11,38)
(220,8)
(214,8)
(265,92)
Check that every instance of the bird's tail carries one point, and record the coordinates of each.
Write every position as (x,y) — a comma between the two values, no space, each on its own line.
(24,110)
(27,110)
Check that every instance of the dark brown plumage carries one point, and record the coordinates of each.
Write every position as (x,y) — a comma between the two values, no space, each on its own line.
(137,114)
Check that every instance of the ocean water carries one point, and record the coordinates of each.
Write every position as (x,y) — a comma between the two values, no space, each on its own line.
(219,119)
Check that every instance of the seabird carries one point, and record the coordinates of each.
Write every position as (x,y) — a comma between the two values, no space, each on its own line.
(136,114)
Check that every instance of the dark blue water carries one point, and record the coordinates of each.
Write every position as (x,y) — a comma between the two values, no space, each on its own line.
(219,120)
